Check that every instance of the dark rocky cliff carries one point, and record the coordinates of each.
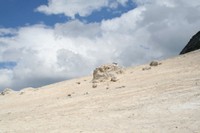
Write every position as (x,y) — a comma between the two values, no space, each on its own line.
(193,44)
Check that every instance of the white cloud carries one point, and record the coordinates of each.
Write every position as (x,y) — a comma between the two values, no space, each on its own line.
(72,7)
(73,28)
(5,75)
(44,54)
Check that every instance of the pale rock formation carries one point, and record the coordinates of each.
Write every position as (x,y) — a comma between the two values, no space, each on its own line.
(6,91)
(107,72)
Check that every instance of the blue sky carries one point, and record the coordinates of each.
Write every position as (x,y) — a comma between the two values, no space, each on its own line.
(46,41)
(106,13)
(18,13)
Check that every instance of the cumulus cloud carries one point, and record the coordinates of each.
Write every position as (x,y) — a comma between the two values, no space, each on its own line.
(153,30)
(81,7)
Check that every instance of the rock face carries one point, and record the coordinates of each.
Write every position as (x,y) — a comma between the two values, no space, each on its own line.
(193,44)
(108,72)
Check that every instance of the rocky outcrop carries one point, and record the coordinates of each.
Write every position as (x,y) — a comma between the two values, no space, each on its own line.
(108,72)
(193,44)
(6,91)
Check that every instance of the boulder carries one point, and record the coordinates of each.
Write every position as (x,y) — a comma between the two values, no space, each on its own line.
(154,63)
(107,72)
(193,44)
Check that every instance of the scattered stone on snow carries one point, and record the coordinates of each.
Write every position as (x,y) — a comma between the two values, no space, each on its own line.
(155,63)
(120,87)
(94,85)
(78,83)
(146,68)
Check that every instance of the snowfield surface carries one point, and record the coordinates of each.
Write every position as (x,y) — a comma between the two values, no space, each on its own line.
(163,99)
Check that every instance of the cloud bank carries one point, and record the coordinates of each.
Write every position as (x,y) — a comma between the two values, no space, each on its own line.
(155,29)
(81,7)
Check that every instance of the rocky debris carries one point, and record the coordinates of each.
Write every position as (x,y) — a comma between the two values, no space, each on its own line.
(108,72)
(86,93)
(146,68)
(78,83)
(113,79)
(6,91)
(120,87)
(193,44)
(154,63)
(94,85)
